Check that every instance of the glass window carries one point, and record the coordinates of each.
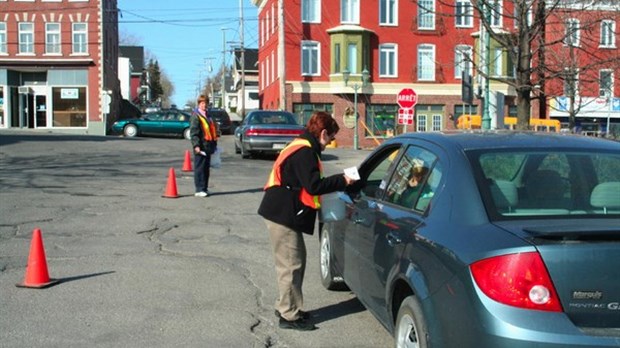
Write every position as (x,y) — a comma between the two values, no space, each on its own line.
(497,62)
(426,62)
(80,38)
(496,13)
(572,32)
(437,123)
(352,58)
(388,12)
(606,80)
(26,37)
(464,14)
(388,65)
(311,11)
(463,55)
(310,58)
(426,14)
(52,38)
(381,119)
(421,123)
(337,65)
(374,174)
(3,49)
(303,112)
(350,11)
(608,37)
(69,106)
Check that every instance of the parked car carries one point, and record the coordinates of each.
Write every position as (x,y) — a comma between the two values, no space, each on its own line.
(163,122)
(511,240)
(221,117)
(266,131)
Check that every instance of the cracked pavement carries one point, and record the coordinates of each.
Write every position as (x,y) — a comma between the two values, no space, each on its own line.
(139,270)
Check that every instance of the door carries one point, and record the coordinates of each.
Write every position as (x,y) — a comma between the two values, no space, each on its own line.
(40,106)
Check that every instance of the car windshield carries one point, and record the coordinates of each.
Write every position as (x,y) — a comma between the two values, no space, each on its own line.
(272,118)
(518,184)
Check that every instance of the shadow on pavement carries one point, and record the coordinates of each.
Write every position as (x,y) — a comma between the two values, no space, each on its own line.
(337,310)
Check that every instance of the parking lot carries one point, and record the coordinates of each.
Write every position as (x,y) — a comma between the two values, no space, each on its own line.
(140,270)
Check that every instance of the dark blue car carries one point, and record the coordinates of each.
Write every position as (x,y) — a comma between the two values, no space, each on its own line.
(509,239)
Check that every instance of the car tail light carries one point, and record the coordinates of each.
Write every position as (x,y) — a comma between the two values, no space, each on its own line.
(276,132)
(519,280)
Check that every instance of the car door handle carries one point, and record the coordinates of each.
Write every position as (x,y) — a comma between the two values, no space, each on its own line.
(393,239)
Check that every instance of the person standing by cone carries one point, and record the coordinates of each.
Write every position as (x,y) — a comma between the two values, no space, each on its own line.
(289,207)
(203,135)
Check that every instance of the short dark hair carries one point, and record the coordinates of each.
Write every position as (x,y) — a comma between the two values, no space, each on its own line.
(202,98)
(322,120)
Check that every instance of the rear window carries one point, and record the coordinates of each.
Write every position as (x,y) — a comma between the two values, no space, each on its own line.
(525,184)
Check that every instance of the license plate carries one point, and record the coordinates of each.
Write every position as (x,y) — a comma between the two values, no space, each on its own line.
(278,146)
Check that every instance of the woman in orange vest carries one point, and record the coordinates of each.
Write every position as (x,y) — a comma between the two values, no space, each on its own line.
(203,135)
(289,207)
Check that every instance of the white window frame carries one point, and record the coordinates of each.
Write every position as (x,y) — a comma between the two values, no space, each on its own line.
(604,92)
(3,45)
(350,11)
(420,124)
(26,38)
(388,12)
(273,66)
(572,32)
(77,46)
(311,11)
(268,65)
(53,44)
(608,34)
(436,123)
(498,66)
(426,52)
(497,11)
(461,61)
(464,18)
(388,60)
(530,14)
(310,58)
(426,14)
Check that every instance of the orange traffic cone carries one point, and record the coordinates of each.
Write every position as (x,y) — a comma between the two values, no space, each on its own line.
(171,187)
(36,271)
(187,165)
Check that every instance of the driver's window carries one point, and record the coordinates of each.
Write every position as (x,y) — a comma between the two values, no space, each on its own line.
(376,180)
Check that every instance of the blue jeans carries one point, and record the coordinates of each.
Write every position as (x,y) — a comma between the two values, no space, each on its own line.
(202,165)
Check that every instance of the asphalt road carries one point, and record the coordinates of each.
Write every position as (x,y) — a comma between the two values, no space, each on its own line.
(140,270)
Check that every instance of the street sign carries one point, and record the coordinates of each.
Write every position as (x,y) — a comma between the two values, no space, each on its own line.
(407,98)
(405,116)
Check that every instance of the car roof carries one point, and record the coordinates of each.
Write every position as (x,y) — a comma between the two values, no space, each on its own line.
(496,139)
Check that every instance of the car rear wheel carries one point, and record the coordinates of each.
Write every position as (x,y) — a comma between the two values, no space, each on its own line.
(186,134)
(130,130)
(237,149)
(411,329)
(330,279)
(244,152)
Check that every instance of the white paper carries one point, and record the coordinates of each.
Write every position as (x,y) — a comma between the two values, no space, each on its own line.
(352,173)
(202,153)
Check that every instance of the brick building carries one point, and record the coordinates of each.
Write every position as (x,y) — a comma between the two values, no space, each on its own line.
(58,65)
(421,44)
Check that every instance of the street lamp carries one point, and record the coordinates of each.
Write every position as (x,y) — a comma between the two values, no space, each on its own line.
(346,74)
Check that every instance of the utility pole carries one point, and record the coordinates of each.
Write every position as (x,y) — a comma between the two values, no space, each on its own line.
(242,60)
(486,8)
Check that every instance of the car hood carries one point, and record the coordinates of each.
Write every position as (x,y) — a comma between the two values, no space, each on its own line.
(583,258)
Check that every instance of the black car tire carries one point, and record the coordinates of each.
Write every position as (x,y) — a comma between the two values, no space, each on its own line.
(330,279)
(186,134)
(411,329)
(130,130)
(237,149)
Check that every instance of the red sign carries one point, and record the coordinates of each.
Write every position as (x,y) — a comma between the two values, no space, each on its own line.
(405,116)
(407,98)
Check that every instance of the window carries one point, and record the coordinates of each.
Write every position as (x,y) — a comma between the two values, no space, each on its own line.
(388,64)
(337,65)
(426,14)
(519,8)
(310,58)
(381,119)
(572,32)
(437,120)
(26,38)
(426,63)
(608,38)
(496,14)
(421,123)
(303,112)
(388,12)
(606,80)
(352,59)
(80,38)
(311,11)
(464,14)
(52,38)
(3,49)
(69,106)
(463,55)
(497,62)
(350,11)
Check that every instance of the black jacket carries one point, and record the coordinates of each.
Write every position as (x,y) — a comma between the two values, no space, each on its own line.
(197,135)
(281,204)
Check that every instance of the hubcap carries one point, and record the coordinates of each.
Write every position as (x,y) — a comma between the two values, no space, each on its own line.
(324,257)
(407,335)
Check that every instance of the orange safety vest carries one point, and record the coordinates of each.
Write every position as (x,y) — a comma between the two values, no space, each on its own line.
(208,128)
(275,178)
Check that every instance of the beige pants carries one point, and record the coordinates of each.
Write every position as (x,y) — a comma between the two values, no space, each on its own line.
(289,253)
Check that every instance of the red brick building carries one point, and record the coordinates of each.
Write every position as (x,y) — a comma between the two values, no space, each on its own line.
(420,44)
(58,64)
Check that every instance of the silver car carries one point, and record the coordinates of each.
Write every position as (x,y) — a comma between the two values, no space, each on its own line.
(266,131)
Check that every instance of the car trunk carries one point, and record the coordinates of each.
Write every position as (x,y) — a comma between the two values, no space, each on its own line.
(583,260)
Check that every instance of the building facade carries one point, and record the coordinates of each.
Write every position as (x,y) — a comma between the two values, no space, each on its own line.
(320,57)
(59,65)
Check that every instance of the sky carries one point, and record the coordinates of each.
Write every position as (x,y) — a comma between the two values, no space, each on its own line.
(186,36)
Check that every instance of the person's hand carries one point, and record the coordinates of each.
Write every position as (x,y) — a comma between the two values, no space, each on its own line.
(196,150)
(349,180)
